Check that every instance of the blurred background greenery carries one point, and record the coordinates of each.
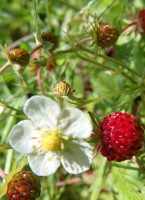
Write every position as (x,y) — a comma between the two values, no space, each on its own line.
(72,21)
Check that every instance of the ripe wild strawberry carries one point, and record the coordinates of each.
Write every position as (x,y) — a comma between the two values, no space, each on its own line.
(107,35)
(19,56)
(23,186)
(142,19)
(121,137)
(50,37)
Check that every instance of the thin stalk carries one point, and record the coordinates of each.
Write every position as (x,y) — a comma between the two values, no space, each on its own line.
(39,80)
(60,102)
(35,49)
(126,27)
(110,59)
(9,124)
(128,77)
(94,62)
(84,40)
(105,97)
(7,106)
(139,164)
(106,8)
(66,3)
(98,181)
(106,67)
(120,63)
(8,161)
(5,66)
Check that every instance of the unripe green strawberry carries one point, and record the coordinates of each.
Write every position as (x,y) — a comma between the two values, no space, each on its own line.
(19,56)
(62,88)
(23,186)
(107,35)
(50,37)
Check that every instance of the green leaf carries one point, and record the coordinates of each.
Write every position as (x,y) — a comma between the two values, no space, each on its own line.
(128,182)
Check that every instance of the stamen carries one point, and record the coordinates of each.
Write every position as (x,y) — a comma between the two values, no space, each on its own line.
(58,157)
(62,146)
(66,138)
(49,159)
(34,145)
(35,152)
(40,154)
(34,138)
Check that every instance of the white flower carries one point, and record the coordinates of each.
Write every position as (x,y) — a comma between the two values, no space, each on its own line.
(1,109)
(51,137)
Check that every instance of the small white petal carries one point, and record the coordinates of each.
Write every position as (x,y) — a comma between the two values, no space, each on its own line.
(43,165)
(43,111)
(21,135)
(77,157)
(75,123)
(1,109)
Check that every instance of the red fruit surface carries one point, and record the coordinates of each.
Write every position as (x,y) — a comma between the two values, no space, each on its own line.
(121,137)
(142,19)
(23,186)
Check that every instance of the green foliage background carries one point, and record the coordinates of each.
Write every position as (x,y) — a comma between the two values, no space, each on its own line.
(72,21)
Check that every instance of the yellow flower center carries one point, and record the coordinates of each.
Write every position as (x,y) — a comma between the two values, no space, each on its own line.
(51,141)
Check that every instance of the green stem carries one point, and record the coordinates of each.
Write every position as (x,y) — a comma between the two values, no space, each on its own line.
(5,66)
(8,161)
(120,63)
(105,97)
(9,124)
(35,49)
(60,102)
(106,8)
(94,62)
(98,181)
(110,59)
(2,103)
(107,67)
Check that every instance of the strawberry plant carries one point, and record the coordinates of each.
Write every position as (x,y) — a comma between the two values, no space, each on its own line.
(72,100)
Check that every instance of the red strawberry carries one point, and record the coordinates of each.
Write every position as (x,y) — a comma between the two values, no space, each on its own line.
(23,186)
(142,19)
(122,137)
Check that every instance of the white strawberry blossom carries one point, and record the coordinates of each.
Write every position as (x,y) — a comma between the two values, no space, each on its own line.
(51,137)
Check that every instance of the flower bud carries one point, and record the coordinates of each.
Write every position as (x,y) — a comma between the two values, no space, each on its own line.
(63,88)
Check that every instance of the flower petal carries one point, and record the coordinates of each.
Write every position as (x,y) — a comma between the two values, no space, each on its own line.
(43,165)
(43,111)
(77,157)
(23,137)
(75,123)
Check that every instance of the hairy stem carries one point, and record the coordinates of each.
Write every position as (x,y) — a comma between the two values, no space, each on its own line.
(5,66)
(39,80)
